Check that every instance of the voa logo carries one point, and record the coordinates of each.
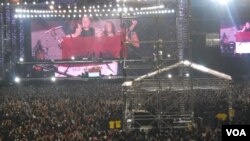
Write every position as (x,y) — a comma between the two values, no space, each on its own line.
(236,132)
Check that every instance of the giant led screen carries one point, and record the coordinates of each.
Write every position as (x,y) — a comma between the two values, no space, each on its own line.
(98,38)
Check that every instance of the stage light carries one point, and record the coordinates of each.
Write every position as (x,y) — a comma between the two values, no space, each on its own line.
(131,9)
(25,3)
(34,2)
(18,3)
(75,11)
(70,11)
(72,57)
(53,79)
(187,74)
(2,4)
(74,16)
(8,4)
(105,5)
(169,55)
(17,79)
(51,7)
(125,9)
(47,2)
(110,5)
(52,2)
(80,11)
(170,76)
(15,16)
(108,10)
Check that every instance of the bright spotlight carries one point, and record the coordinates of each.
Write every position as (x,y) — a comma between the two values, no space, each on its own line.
(17,79)
(51,7)
(187,74)
(170,76)
(53,79)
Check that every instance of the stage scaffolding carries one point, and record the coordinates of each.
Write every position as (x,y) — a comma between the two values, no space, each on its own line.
(152,101)
(138,98)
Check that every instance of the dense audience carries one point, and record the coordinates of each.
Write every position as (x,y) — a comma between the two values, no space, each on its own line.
(81,111)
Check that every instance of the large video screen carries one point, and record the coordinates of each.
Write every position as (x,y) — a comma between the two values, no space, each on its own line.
(235,38)
(91,38)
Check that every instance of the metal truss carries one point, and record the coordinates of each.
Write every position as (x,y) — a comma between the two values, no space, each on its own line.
(1,45)
(165,103)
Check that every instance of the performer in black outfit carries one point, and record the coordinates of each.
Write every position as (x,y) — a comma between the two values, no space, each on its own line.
(87,30)
(246,27)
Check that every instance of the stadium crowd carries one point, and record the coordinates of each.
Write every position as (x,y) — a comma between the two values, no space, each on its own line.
(81,112)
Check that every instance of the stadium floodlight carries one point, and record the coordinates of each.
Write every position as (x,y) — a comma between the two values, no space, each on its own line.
(17,79)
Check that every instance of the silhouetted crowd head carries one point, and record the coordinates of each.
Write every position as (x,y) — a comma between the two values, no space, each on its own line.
(81,112)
